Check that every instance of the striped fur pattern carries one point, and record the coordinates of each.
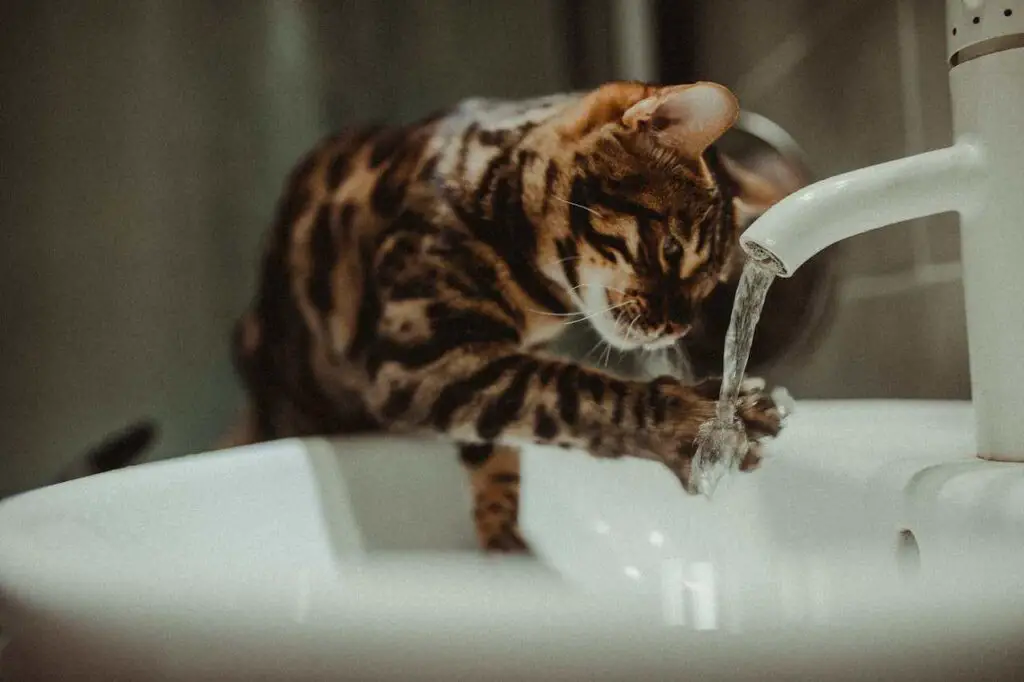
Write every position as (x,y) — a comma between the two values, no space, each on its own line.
(413,276)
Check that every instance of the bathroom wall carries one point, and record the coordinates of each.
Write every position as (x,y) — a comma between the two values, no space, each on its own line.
(859,82)
(142,146)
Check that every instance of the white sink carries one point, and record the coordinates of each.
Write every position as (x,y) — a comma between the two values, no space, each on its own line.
(306,560)
(845,477)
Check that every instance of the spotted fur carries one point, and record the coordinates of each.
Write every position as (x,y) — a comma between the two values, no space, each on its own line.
(414,274)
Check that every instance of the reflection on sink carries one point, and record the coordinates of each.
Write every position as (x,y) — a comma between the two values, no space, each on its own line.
(300,559)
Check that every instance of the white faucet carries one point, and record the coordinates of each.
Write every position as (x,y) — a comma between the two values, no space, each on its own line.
(981,177)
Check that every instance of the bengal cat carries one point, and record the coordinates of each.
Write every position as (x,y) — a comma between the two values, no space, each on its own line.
(414,274)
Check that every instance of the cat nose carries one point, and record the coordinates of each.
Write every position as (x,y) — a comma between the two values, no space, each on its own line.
(677,329)
(632,309)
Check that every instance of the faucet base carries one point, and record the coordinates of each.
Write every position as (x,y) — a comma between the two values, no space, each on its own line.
(999,458)
(988,95)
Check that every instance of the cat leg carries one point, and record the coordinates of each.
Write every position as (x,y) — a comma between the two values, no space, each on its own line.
(501,395)
(494,480)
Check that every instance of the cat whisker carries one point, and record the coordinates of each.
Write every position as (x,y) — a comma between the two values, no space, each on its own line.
(596,346)
(606,288)
(573,203)
(608,351)
(551,314)
(595,314)
(561,260)
(629,329)
(682,362)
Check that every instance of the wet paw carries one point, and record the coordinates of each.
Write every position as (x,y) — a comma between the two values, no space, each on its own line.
(711,388)
(761,416)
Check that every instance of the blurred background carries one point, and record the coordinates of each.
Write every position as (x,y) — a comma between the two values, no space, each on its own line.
(143,145)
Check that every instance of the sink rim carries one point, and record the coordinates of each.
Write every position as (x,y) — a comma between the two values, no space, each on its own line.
(523,604)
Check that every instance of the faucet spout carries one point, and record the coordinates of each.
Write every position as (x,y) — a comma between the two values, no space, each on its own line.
(834,209)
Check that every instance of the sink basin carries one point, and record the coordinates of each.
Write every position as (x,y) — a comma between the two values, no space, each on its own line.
(860,477)
(871,543)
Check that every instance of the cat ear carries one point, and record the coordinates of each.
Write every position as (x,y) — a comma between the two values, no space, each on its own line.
(685,118)
(602,106)
(761,182)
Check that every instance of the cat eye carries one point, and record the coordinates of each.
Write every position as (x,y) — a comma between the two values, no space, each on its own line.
(671,247)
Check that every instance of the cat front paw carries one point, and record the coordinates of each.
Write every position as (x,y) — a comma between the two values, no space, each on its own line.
(761,414)
(758,429)
(689,408)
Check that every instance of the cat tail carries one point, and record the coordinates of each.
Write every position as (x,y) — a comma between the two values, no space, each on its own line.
(118,450)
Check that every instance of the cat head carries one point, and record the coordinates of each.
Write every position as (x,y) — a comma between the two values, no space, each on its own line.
(653,211)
